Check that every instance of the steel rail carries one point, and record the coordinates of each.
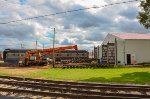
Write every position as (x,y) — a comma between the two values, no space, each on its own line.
(66,95)
(74,91)
(141,89)
(86,87)
(72,83)
(51,94)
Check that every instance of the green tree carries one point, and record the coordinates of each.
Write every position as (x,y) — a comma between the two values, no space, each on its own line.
(144,14)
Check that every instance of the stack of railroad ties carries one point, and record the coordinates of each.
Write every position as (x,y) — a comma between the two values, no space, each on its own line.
(27,88)
(86,65)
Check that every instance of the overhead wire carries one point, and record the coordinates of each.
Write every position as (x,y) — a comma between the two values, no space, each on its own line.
(19,6)
(95,7)
(69,11)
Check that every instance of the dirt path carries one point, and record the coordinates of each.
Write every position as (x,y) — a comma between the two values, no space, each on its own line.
(21,70)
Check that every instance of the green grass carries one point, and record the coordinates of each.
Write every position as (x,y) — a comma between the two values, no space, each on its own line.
(102,75)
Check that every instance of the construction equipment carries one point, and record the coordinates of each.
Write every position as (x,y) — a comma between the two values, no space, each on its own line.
(36,57)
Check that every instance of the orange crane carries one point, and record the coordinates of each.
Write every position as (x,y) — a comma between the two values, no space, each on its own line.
(36,56)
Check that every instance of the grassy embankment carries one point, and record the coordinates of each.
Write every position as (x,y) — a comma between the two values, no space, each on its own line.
(102,75)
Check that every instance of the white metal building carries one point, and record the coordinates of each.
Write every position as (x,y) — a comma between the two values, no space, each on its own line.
(128,48)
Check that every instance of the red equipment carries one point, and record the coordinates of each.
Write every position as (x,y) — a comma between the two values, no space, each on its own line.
(36,56)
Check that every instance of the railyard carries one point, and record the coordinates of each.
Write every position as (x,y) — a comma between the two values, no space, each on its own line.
(46,82)
(74,49)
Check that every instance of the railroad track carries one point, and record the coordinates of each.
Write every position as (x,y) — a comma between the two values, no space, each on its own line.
(63,89)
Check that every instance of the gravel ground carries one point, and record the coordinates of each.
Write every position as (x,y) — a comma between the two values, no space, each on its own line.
(7,97)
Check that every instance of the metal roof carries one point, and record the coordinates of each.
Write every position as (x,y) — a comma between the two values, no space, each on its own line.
(25,50)
(74,51)
(16,50)
(132,35)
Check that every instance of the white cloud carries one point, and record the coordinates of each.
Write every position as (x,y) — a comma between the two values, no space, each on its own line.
(85,28)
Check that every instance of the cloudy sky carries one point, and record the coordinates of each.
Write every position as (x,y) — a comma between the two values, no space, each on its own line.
(85,28)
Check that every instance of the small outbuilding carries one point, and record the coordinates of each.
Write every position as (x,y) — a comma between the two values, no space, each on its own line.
(125,48)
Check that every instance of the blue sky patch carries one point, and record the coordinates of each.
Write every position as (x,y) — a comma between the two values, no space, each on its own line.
(22,2)
(49,34)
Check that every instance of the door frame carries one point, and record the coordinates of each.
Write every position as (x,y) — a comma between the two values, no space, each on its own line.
(128,59)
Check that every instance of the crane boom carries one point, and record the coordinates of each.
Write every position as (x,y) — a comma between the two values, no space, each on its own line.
(37,54)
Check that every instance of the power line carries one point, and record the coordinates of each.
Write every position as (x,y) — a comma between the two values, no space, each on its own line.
(24,6)
(63,12)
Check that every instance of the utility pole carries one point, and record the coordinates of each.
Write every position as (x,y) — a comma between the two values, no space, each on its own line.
(43,45)
(21,46)
(19,57)
(53,49)
(36,44)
